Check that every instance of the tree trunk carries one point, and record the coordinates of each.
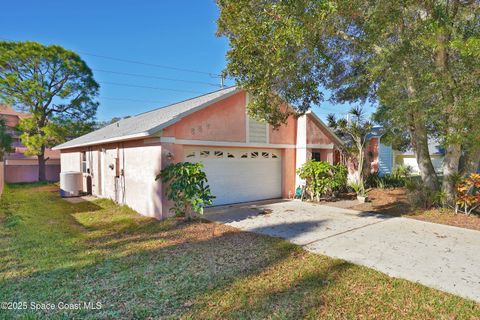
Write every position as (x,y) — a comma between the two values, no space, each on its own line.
(41,168)
(419,137)
(450,169)
(472,161)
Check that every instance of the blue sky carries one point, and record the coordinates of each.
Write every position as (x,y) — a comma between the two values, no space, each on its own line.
(178,34)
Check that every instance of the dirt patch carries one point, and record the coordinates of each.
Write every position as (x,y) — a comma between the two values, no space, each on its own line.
(395,202)
(390,201)
(448,217)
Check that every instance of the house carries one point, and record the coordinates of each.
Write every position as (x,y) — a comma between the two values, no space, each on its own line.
(383,158)
(245,160)
(19,167)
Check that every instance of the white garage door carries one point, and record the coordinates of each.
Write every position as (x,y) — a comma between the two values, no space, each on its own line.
(240,175)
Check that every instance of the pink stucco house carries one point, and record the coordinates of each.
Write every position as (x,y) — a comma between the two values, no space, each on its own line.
(245,160)
(18,167)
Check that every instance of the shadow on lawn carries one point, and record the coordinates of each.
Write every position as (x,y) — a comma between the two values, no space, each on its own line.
(142,278)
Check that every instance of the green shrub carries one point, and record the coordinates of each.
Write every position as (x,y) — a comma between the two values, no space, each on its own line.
(398,178)
(322,178)
(420,196)
(186,185)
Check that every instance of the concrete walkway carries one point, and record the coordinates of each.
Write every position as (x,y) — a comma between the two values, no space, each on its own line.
(438,256)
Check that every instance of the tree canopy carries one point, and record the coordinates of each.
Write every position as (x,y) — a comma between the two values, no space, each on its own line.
(416,60)
(51,83)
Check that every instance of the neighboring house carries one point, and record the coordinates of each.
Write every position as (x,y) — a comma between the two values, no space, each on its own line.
(19,167)
(383,158)
(245,160)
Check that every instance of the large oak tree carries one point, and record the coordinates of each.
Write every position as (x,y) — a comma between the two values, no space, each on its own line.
(51,83)
(417,60)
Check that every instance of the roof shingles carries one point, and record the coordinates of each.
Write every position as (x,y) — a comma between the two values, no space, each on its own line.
(148,123)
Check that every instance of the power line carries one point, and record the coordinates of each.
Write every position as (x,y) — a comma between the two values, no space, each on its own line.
(149,64)
(148,87)
(155,77)
(142,63)
(133,100)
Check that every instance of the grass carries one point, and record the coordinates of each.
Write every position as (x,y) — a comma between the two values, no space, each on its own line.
(53,251)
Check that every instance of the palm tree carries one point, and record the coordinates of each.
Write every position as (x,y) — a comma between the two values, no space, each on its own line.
(354,130)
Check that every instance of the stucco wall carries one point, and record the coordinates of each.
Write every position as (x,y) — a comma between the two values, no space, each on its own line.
(29,173)
(138,162)
(316,134)
(222,121)
(70,161)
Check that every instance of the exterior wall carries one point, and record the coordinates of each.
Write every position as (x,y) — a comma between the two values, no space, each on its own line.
(288,173)
(411,160)
(29,173)
(138,164)
(70,161)
(317,134)
(224,120)
(371,155)
(385,159)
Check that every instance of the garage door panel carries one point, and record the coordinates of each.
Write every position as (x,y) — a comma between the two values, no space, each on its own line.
(239,175)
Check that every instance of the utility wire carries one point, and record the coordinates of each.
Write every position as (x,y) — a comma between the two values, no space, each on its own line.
(133,100)
(155,77)
(149,64)
(141,62)
(148,87)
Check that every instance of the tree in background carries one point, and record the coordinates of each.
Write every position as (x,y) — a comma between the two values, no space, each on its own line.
(51,83)
(5,139)
(355,131)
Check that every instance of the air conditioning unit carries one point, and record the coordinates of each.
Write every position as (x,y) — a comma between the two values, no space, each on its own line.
(71,184)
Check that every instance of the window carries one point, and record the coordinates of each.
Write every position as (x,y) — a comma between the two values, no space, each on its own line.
(230,155)
(191,155)
(245,155)
(204,154)
(254,154)
(316,156)
(274,156)
(218,154)
(265,155)
(84,162)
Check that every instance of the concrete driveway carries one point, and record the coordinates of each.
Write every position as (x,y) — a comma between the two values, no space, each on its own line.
(438,256)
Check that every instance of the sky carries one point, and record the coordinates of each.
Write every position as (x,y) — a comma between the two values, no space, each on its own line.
(167,40)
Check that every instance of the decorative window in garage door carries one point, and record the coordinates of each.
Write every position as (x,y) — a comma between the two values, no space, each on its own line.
(231,154)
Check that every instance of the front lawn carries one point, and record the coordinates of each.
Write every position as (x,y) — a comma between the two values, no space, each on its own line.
(53,251)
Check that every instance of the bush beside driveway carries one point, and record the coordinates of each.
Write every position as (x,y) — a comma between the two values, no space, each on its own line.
(55,251)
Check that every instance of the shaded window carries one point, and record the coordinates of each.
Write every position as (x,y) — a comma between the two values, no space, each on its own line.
(254,154)
(218,154)
(204,154)
(84,162)
(316,156)
(265,155)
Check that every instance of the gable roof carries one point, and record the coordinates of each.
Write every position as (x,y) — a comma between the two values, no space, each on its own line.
(7,110)
(148,123)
